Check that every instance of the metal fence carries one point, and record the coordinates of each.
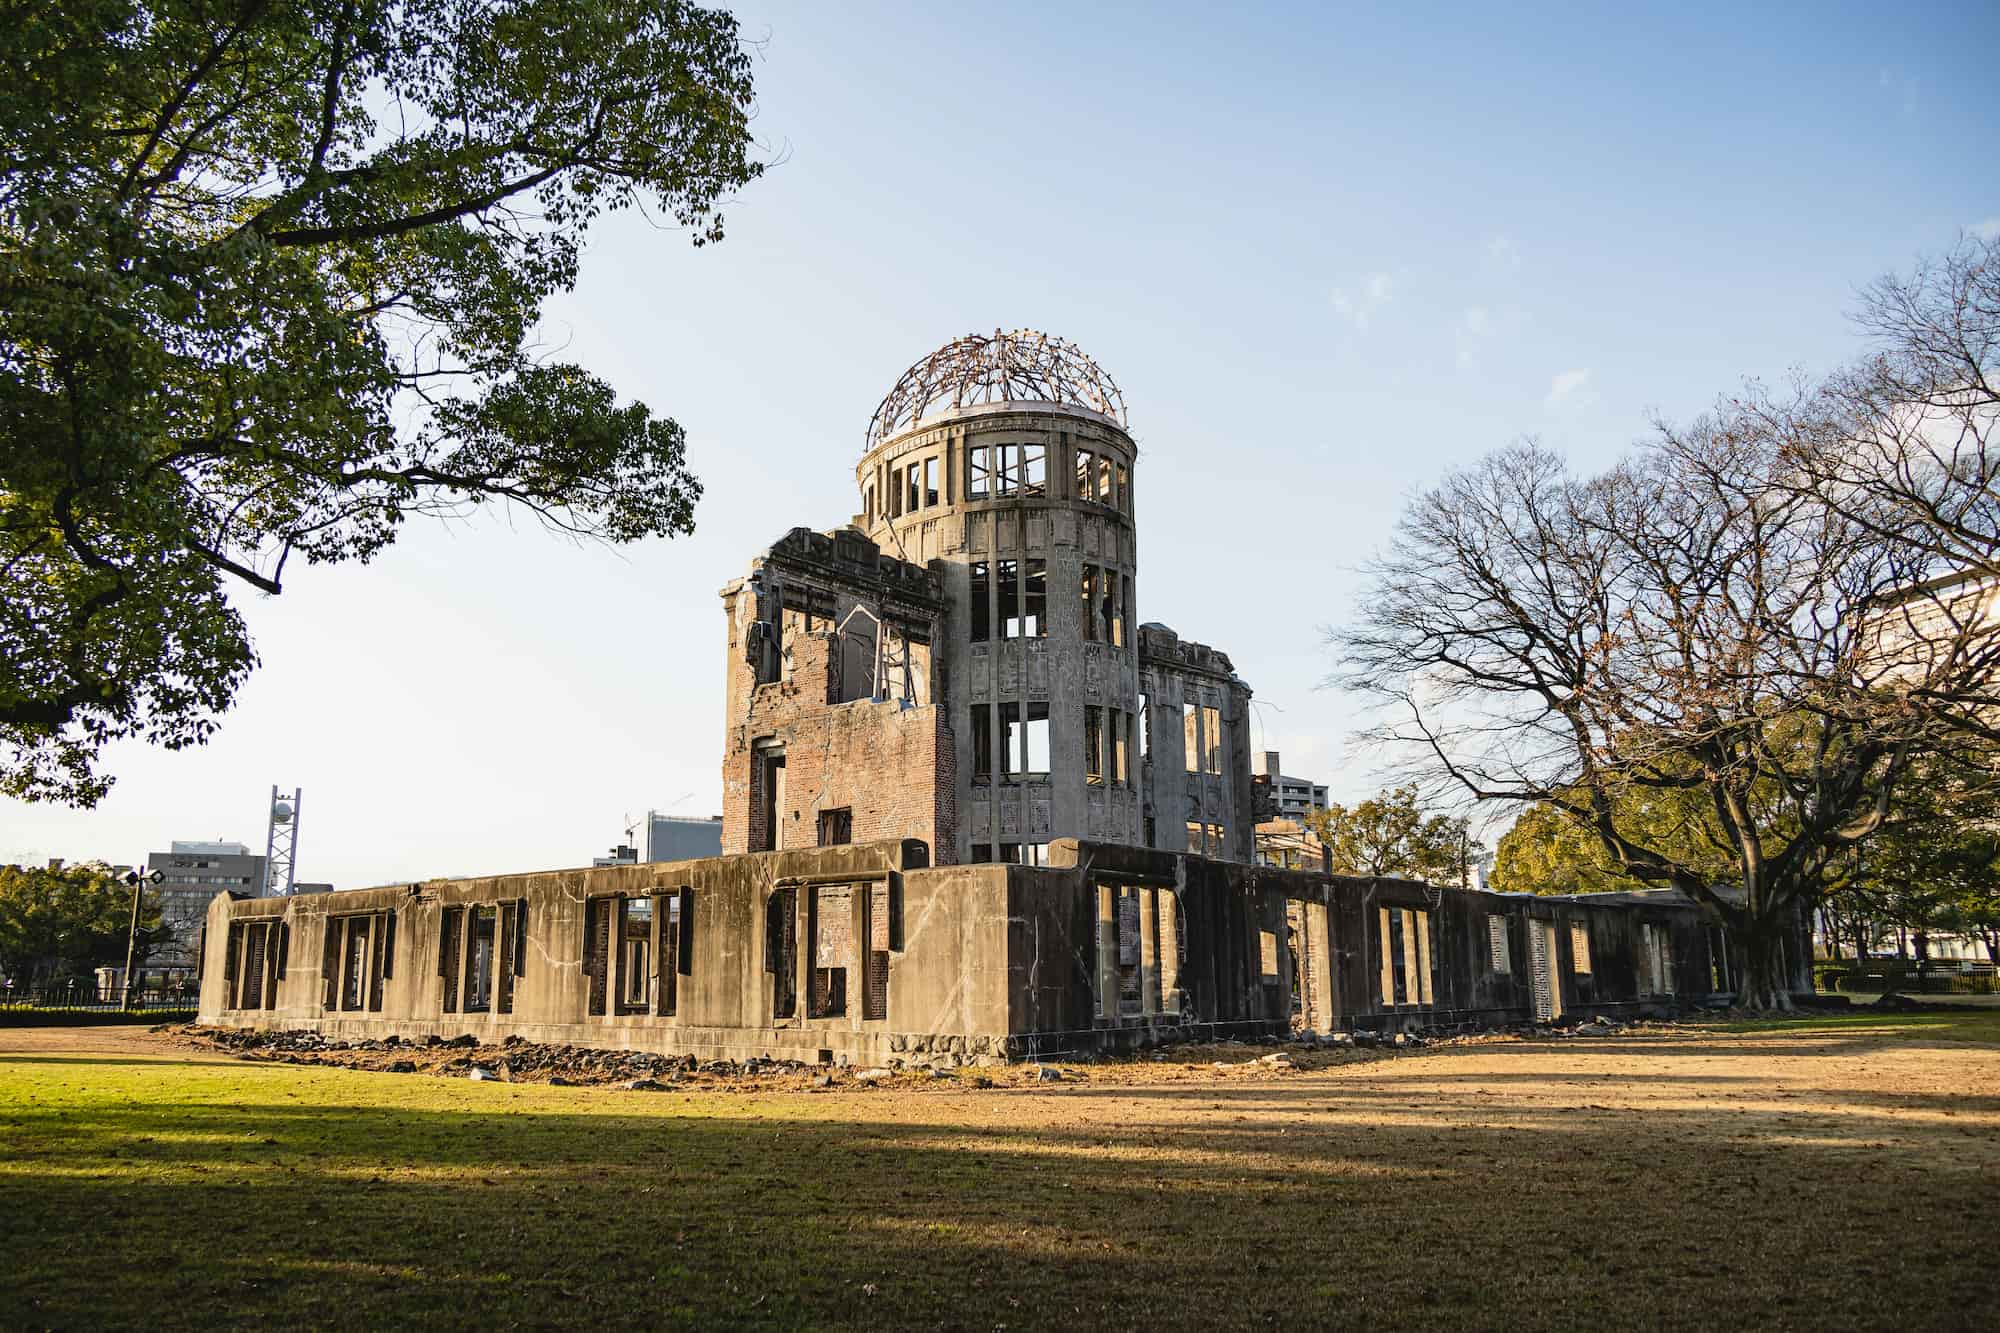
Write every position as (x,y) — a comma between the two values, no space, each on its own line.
(88,996)
(1943,977)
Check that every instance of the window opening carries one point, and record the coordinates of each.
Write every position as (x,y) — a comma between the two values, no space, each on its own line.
(450,925)
(479,960)
(836,827)
(1093,745)
(875,985)
(635,948)
(1034,619)
(597,952)
(1089,593)
(976,596)
(982,743)
(930,482)
(781,951)
(766,831)
(978,473)
(1496,943)
(1026,741)
(354,965)
(832,931)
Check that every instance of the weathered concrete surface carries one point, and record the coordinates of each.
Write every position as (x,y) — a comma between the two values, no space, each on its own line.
(863,953)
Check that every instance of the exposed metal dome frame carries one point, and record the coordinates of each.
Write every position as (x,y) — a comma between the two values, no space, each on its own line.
(1024,366)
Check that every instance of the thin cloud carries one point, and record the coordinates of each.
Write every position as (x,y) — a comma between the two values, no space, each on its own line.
(1473,326)
(1359,306)
(1568,388)
(1501,250)
(1987,230)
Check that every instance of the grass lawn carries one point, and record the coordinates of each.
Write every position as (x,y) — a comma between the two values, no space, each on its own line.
(1826,1173)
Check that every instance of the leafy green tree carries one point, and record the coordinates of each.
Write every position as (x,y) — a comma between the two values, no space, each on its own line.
(1389,835)
(1935,864)
(269,275)
(1549,850)
(64,921)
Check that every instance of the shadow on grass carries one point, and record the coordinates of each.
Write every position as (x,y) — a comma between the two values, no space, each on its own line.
(1085,1206)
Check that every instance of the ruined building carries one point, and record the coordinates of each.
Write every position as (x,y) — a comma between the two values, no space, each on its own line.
(964,664)
(974,809)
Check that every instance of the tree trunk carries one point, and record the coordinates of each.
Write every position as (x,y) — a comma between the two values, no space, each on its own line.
(1762,984)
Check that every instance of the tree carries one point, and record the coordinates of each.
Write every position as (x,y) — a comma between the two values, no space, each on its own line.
(61,921)
(1551,851)
(1389,835)
(269,273)
(1701,619)
(1935,864)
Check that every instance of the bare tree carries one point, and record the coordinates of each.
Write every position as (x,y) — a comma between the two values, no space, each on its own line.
(1700,621)
(1907,433)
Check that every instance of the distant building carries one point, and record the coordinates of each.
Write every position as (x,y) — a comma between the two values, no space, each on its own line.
(1289,844)
(191,874)
(624,854)
(1294,796)
(682,838)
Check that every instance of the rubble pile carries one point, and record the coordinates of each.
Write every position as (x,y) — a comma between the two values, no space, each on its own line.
(515,1060)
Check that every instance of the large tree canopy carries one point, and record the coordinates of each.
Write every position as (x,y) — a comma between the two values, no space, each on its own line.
(269,274)
(1727,616)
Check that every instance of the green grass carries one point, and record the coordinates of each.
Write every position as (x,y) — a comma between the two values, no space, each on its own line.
(1484,1188)
(1973,1025)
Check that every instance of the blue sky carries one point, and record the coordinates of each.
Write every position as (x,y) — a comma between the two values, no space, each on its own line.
(1327,252)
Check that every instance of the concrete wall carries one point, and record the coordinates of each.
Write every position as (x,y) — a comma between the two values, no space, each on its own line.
(1111,947)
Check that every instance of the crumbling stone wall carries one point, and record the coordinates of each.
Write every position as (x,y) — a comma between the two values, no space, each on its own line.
(891,767)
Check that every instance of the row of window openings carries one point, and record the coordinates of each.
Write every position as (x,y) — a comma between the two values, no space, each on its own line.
(1022,611)
(1655,953)
(1023,748)
(999,470)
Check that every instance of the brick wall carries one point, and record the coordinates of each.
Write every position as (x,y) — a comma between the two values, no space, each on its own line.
(892,767)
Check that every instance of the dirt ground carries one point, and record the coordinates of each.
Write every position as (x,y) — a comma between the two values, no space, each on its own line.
(1825,1174)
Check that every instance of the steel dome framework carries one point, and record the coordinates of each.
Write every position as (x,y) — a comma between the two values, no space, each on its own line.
(1024,366)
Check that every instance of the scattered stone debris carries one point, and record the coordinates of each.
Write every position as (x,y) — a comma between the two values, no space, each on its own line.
(517,1060)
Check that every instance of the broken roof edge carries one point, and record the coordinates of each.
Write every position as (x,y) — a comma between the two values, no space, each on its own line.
(1033,406)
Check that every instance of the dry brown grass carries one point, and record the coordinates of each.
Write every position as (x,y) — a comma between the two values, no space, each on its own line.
(1836,1174)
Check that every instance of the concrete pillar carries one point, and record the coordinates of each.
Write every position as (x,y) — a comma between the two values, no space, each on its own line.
(1149,951)
(1319,955)
(1107,953)
(1169,933)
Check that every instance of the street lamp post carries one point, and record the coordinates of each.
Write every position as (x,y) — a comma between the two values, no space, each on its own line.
(138,879)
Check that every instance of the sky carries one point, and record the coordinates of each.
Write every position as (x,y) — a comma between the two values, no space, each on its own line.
(1328,252)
